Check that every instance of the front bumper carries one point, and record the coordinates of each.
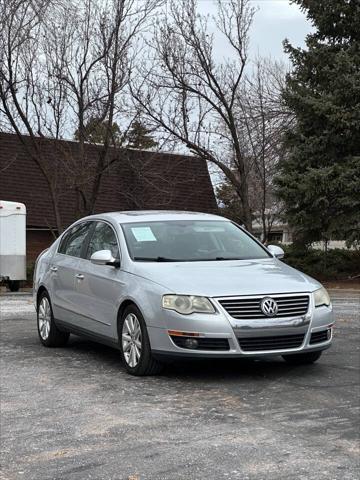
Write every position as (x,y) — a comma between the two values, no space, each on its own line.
(242,334)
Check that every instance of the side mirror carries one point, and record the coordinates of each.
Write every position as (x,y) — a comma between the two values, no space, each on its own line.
(104,257)
(276,251)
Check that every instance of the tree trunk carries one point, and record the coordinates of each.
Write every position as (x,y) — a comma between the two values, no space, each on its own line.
(265,233)
(56,210)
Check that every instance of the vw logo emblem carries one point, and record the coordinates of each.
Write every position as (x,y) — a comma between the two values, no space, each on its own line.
(269,307)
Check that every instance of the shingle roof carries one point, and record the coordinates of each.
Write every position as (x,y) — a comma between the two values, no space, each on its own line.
(137,180)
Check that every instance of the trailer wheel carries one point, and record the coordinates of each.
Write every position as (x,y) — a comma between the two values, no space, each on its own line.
(14,285)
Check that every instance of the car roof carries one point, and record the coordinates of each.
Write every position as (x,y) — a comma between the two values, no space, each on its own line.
(139,216)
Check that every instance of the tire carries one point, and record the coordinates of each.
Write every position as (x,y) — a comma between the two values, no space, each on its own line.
(302,358)
(135,344)
(49,334)
(14,285)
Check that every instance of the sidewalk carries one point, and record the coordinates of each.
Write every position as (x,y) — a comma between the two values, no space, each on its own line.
(23,291)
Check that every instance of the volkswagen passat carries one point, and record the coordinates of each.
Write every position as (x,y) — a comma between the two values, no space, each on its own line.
(159,284)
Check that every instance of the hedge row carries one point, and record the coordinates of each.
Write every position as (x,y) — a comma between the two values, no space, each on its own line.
(336,264)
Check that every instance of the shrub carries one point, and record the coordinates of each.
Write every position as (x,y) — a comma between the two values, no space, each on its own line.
(30,273)
(336,264)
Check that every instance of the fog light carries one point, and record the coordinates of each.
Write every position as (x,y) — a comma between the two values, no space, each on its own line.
(191,343)
(329,333)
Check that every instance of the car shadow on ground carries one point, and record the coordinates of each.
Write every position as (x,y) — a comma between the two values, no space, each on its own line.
(200,369)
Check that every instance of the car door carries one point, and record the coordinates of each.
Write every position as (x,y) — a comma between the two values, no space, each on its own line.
(64,268)
(99,287)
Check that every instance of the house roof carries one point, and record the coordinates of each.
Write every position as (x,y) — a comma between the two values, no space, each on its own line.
(134,180)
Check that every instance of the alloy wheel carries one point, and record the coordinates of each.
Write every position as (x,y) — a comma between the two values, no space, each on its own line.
(44,318)
(131,340)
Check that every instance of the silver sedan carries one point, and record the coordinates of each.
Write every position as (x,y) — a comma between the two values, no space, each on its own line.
(159,285)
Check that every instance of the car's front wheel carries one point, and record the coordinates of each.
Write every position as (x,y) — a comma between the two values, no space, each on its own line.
(135,345)
(49,334)
(302,358)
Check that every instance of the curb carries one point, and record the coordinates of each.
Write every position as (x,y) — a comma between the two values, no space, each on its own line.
(15,294)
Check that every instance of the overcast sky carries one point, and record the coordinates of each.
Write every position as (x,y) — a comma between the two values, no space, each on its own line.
(274,21)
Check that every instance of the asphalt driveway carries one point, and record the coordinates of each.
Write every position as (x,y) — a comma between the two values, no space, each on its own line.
(74,414)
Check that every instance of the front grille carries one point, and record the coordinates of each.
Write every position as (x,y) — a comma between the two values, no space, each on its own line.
(283,342)
(288,306)
(318,337)
(203,343)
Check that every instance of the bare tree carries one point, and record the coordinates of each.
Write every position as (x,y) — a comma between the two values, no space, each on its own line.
(67,63)
(262,120)
(22,100)
(94,48)
(190,93)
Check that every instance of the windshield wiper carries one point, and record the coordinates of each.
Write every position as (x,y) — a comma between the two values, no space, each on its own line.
(216,259)
(227,258)
(156,259)
(165,259)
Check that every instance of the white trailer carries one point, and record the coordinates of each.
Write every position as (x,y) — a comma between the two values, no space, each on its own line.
(12,243)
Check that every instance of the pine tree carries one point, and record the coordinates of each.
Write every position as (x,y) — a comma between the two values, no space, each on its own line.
(230,206)
(319,179)
(95,131)
(139,136)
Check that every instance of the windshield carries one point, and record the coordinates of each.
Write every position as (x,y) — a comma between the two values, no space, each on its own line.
(189,241)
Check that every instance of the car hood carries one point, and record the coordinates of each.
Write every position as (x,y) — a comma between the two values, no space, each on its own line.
(225,278)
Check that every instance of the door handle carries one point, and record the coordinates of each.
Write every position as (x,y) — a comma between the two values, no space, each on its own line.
(54,269)
(79,276)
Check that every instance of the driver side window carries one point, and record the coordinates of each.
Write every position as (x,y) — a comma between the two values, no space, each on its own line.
(103,238)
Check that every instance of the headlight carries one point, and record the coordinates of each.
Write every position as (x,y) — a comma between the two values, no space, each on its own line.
(187,304)
(321,297)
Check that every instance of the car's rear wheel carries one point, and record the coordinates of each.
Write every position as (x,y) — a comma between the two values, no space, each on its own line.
(302,358)
(135,345)
(49,334)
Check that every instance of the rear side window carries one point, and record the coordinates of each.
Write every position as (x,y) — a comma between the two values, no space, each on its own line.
(72,242)
(103,238)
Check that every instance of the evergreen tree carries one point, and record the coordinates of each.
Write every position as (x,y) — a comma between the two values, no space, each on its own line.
(230,206)
(319,179)
(140,137)
(95,131)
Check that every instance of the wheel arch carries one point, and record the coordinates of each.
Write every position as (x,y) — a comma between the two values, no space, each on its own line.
(125,303)
(41,289)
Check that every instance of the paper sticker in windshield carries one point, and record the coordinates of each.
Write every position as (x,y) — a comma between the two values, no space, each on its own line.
(143,234)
